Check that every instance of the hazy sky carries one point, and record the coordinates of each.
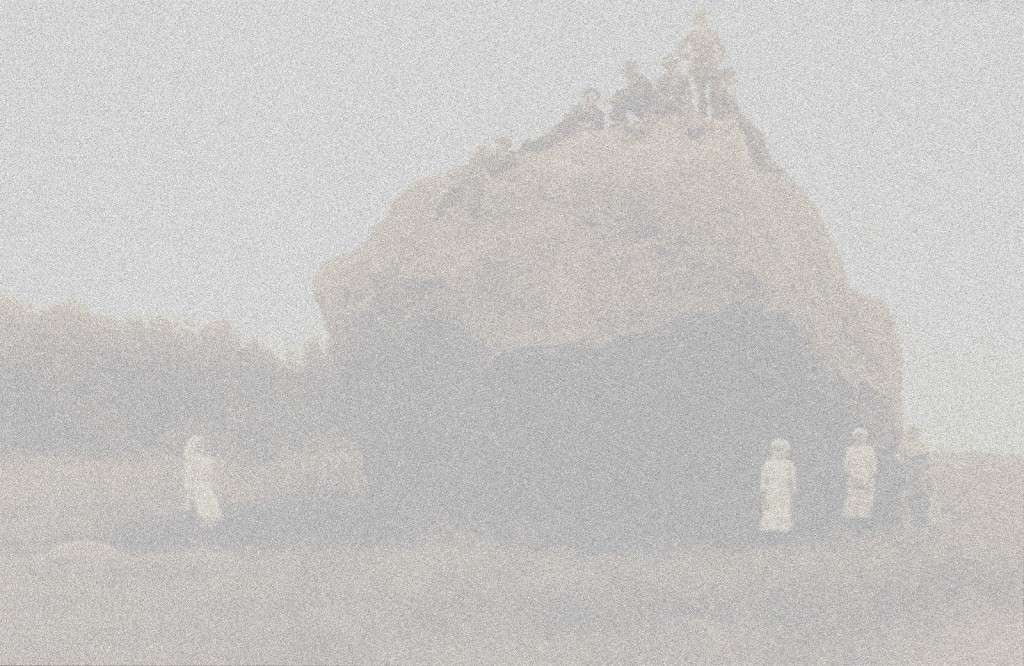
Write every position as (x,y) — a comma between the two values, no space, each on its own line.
(204,160)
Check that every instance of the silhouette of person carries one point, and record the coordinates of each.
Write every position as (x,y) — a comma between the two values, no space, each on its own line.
(674,95)
(636,100)
(488,160)
(199,483)
(705,53)
(722,99)
(778,484)
(861,466)
(587,115)
(502,156)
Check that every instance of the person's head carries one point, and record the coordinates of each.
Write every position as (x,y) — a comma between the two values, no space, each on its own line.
(631,69)
(701,19)
(779,448)
(860,437)
(195,446)
(591,95)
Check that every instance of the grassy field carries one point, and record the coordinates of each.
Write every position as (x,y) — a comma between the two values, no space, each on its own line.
(945,595)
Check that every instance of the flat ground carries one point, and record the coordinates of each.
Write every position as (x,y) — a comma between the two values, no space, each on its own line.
(953,593)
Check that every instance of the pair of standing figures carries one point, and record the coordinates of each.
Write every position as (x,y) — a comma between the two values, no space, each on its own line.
(778,483)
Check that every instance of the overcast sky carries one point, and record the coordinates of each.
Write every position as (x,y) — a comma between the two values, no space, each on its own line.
(203,161)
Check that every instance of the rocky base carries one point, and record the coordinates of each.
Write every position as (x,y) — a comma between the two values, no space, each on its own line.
(651,440)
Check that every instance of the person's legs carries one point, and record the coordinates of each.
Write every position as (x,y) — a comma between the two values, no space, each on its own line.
(703,85)
(853,527)
(193,530)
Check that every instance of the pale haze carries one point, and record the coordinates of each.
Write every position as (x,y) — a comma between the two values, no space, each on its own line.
(203,161)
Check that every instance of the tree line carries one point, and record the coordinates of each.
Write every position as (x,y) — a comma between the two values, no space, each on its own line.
(76,382)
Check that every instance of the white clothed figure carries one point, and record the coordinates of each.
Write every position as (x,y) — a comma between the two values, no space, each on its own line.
(778,483)
(199,472)
(861,465)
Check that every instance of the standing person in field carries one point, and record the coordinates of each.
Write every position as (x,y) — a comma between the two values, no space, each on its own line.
(861,466)
(778,483)
(199,483)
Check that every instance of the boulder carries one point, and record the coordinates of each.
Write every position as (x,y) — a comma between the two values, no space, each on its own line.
(598,340)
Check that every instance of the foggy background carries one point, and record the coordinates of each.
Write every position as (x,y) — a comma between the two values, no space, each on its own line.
(202,161)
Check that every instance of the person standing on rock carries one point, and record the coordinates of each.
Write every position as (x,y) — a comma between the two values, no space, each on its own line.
(586,116)
(778,484)
(722,98)
(636,100)
(674,95)
(199,468)
(861,466)
(705,53)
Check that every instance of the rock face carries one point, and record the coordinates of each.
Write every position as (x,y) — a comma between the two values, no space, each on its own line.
(596,341)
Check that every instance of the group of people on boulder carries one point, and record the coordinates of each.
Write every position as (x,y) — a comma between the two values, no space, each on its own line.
(861,466)
(705,89)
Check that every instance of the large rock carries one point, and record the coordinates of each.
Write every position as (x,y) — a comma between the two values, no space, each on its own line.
(598,340)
